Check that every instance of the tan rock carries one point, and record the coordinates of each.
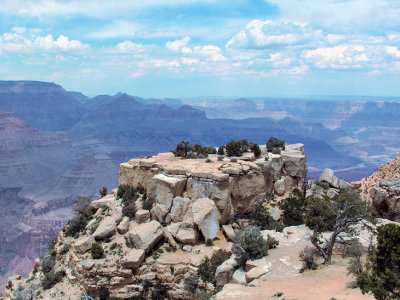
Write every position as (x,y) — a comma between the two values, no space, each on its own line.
(84,243)
(142,216)
(246,191)
(294,164)
(145,235)
(163,189)
(256,273)
(187,235)
(106,228)
(96,204)
(170,239)
(179,208)
(239,277)
(123,226)
(279,187)
(229,232)
(205,215)
(134,258)
(329,176)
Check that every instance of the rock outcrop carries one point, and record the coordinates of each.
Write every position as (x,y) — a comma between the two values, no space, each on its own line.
(382,188)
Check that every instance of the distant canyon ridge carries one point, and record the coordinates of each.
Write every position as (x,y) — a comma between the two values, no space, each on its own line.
(56,145)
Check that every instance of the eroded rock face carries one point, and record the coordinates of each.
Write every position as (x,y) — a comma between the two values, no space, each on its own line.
(233,186)
(329,176)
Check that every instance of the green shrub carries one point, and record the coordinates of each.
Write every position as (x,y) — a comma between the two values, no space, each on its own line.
(76,225)
(147,204)
(127,193)
(159,291)
(255,149)
(47,264)
(276,151)
(129,210)
(191,283)
(203,295)
(52,278)
(275,143)
(97,251)
(149,156)
(293,208)
(208,266)
(272,242)
(221,150)
(103,191)
(209,242)
(220,158)
(104,294)
(307,256)
(233,160)
(140,188)
(234,148)
(321,184)
(208,160)
(249,244)
(82,207)
(64,249)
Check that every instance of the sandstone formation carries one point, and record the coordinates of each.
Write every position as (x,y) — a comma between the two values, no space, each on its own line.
(382,188)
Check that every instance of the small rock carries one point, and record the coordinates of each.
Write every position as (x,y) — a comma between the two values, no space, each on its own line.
(187,248)
(275,214)
(142,216)
(83,244)
(224,272)
(229,232)
(105,229)
(145,235)
(205,215)
(179,208)
(329,176)
(123,226)
(239,277)
(134,258)
(256,273)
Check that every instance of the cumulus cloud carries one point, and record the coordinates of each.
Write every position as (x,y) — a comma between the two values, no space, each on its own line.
(338,57)
(128,47)
(179,45)
(271,34)
(210,52)
(14,42)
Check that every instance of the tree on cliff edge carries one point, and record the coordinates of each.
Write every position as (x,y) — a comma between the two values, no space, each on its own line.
(337,216)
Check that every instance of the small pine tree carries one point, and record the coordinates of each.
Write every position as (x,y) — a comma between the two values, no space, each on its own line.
(103,191)
(97,251)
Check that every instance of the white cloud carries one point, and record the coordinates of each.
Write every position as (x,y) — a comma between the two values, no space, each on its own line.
(393,51)
(271,34)
(18,29)
(338,57)
(14,42)
(179,45)
(209,52)
(128,47)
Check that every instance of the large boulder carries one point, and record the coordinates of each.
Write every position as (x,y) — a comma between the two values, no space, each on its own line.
(247,190)
(163,189)
(134,258)
(205,215)
(123,226)
(106,228)
(294,164)
(329,176)
(142,216)
(179,208)
(145,236)
(218,191)
(279,187)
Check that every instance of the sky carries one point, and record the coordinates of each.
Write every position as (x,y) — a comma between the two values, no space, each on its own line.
(205,48)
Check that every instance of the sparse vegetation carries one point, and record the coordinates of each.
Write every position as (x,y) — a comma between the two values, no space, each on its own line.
(208,265)
(97,250)
(191,283)
(186,150)
(127,193)
(147,204)
(307,256)
(52,278)
(159,291)
(322,184)
(103,191)
(293,208)
(275,143)
(336,216)
(82,214)
(129,210)
(249,244)
(47,264)
(381,276)
(221,150)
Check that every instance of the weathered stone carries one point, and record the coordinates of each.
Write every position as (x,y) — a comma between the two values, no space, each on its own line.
(279,187)
(134,258)
(229,232)
(239,277)
(332,194)
(275,214)
(105,229)
(87,264)
(83,244)
(123,226)
(256,273)
(246,191)
(146,163)
(96,204)
(329,176)
(294,164)
(163,189)
(170,239)
(187,248)
(343,185)
(179,208)
(205,215)
(187,235)
(224,272)
(142,216)
(145,235)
